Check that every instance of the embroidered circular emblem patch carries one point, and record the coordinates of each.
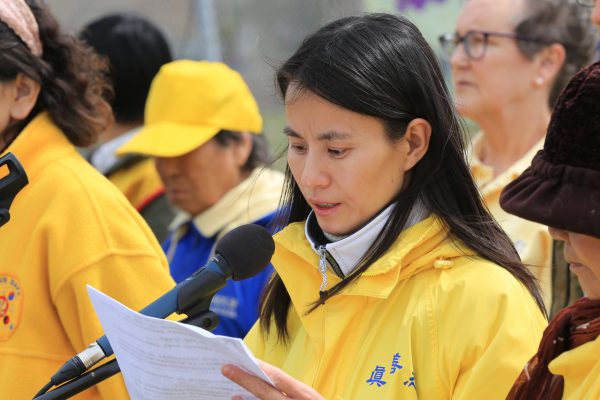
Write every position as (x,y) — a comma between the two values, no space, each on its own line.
(10,305)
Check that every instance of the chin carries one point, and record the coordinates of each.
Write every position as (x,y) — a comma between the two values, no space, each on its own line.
(334,229)
(590,289)
(463,108)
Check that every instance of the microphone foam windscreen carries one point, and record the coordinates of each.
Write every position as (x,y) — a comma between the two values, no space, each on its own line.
(247,249)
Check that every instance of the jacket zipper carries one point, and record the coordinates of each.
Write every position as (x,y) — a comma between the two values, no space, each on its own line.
(323,267)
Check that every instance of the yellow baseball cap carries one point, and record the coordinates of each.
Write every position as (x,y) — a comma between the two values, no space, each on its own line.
(190,102)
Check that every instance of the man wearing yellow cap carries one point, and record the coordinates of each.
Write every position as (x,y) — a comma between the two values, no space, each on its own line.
(203,127)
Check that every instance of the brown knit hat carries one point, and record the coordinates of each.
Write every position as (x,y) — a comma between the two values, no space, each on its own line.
(561,188)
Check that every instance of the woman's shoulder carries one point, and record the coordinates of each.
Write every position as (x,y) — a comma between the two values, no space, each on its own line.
(476,277)
(292,233)
(76,191)
(73,176)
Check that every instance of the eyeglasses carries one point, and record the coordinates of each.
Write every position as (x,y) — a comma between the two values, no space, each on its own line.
(586,3)
(475,42)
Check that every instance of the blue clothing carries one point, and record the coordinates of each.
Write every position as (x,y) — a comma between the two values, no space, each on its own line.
(236,304)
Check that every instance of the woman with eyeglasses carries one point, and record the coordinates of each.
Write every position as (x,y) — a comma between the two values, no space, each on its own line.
(510,59)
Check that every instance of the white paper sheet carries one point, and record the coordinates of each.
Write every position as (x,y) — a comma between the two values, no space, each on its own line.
(164,360)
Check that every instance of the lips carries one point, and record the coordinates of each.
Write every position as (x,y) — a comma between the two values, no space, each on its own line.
(174,193)
(323,208)
(463,83)
(325,205)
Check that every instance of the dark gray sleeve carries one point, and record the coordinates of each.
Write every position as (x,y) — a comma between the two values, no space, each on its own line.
(158,215)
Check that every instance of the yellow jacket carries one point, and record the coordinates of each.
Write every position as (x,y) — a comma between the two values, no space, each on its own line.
(140,183)
(428,319)
(532,240)
(69,227)
(580,369)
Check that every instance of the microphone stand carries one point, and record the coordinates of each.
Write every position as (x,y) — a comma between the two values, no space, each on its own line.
(204,319)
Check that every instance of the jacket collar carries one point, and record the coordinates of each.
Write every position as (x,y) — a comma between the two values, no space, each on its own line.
(104,157)
(348,252)
(255,197)
(484,174)
(40,143)
(423,246)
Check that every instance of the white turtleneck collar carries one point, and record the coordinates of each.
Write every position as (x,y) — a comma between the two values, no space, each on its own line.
(349,250)
(105,157)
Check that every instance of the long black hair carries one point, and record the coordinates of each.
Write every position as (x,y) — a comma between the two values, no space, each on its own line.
(380,65)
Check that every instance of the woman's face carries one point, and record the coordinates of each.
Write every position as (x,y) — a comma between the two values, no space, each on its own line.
(504,75)
(343,162)
(582,252)
(197,180)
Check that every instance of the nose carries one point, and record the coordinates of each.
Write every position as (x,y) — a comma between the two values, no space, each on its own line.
(314,174)
(166,166)
(558,234)
(459,56)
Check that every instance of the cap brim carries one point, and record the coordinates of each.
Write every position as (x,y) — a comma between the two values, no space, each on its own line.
(559,196)
(167,139)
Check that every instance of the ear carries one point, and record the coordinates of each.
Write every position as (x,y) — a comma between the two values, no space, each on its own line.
(242,149)
(24,97)
(417,135)
(549,62)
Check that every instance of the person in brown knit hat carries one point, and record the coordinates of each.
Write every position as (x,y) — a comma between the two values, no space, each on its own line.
(561,189)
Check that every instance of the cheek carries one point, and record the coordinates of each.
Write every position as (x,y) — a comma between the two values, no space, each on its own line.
(375,184)
(292,163)
(587,249)
(296,166)
(161,170)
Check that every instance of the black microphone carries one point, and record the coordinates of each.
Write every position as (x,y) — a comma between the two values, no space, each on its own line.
(241,253)
(10,184)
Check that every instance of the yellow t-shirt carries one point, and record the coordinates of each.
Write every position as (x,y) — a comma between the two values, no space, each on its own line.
(532,240)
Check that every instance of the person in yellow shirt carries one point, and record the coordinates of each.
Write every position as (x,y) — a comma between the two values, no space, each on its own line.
(392,279)
(203,128)
(510,59)
(69,226)
(561,189)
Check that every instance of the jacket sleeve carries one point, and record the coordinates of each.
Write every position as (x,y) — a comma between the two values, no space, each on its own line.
(98,239)
(488,327)
(133,280)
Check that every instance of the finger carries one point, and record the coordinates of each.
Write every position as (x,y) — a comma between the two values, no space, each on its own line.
(255,385)
(288,385)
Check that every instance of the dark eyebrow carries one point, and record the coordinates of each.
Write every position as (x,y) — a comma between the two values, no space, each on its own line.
(330,135)
(287,131)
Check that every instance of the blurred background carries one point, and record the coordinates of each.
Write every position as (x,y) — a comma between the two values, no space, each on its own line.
(254,36)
